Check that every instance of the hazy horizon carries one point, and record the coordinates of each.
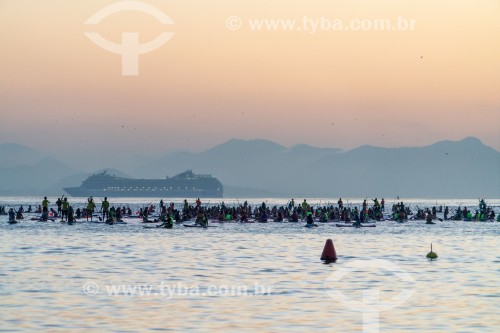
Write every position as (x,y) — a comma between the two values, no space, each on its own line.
(265,168)
(119,161)
(62,94)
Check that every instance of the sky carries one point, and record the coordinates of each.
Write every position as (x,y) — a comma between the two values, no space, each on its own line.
(221,77)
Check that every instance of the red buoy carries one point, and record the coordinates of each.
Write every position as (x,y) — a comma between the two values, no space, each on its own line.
(329,253)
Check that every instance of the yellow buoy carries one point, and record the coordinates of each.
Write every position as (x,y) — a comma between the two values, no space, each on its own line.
(432,255)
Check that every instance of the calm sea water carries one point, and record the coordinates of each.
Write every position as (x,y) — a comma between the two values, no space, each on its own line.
(249,277)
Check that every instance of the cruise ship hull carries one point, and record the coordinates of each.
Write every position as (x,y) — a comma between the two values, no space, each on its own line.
(82,192)
(184,185)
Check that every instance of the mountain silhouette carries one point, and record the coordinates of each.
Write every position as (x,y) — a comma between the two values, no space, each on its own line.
(465,168)
(445,169)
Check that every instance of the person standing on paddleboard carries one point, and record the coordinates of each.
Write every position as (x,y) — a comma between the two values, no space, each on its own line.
(45,209)
(65,209)
(90,208)
(105,209)
(59,205)
(305,208)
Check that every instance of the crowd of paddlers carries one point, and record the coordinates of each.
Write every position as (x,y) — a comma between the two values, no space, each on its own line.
(292,212)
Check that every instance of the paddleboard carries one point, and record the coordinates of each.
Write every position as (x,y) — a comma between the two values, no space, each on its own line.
(40,220)
(198,226)
(353,226)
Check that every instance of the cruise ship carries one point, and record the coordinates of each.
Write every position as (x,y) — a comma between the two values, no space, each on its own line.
(184,185)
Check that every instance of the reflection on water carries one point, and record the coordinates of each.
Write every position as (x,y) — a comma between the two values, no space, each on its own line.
(46,269)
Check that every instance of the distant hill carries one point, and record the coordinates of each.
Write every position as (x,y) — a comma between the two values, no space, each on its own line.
(72,180)
(12,154)
(242,163)
(260,168)
(32,179)
(465,168)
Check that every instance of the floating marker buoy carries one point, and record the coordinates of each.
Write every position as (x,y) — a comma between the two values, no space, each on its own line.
(432,255)
(329,254)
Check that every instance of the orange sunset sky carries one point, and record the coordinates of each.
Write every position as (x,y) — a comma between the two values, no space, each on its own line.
(60,92)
